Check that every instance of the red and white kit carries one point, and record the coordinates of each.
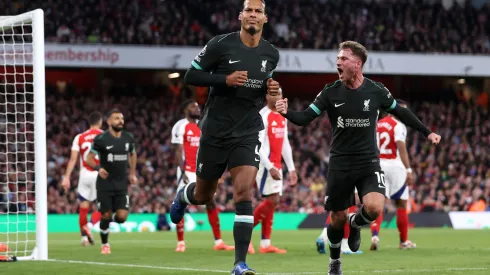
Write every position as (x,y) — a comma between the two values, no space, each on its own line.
(82,143)
(187,134)
(275,146)
(389,131)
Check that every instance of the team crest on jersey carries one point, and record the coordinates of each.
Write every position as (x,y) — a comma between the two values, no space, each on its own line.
(264,63)
(127,147)
(366,105)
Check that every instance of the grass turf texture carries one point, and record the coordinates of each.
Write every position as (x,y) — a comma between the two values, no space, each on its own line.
(438,252)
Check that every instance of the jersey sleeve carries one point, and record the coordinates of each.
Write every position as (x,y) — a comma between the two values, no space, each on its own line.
(262,136)
(320,103)
(274,63)
(75,146)
(97,145)
(387,102)
(178,134)
(400,132)
(208,57)
(132,144)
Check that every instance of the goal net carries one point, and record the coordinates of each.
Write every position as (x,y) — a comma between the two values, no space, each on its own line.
(23,187)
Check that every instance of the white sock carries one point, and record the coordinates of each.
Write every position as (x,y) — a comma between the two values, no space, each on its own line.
(180,242)
(265,243)
(334,260)
(218,241)
(324,235)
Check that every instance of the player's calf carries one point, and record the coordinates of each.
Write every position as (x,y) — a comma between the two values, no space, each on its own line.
(335,233)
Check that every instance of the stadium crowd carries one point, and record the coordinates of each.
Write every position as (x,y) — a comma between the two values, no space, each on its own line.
(414,26)
(453,176)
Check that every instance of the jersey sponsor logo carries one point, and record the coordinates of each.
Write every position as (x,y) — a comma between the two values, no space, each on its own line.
(278,132)
(113,157)
(366,105)
(253,83)
(340,122)
(338,105)
(352,122)
(264,64)
(193,141)
(231,62)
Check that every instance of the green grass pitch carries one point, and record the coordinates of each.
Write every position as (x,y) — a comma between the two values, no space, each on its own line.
(438,252)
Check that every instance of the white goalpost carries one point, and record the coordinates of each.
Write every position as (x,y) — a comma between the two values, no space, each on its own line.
(23,175)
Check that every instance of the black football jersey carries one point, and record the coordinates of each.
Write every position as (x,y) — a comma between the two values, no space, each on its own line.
(234,111)
(353,115)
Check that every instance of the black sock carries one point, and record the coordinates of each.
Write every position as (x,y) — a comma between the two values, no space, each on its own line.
(242,229)
(189,193)
(361,218)
(104,230)
(335,237)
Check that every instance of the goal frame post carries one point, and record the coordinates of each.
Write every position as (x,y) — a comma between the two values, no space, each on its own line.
(36,19)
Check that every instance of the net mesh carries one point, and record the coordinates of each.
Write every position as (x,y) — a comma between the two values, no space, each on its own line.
(17,200)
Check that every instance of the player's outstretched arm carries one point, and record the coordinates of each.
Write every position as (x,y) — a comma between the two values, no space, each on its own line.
(409,119)
(300,118)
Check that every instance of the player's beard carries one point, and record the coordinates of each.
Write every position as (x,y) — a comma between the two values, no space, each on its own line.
(117,128)
(251,30)
(194,116)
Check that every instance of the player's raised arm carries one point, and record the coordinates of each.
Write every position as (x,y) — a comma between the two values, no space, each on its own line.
(304,117)
(406,116)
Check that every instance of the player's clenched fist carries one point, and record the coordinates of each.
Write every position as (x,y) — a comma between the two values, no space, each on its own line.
(282,106)
(435,138)
(103,173)
(237,78)
(273,87)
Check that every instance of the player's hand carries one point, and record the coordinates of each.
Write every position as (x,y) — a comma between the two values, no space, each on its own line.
(282,106)
(103,173)
(133,179)
(275,174)
(66,183)
(435,138)
(293,177)
(237,78)
(273,87)
(409,178)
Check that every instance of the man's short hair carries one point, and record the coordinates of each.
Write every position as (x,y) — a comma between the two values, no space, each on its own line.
(186,103)
(357,49)
(113,111)
(263,2)
(94,118)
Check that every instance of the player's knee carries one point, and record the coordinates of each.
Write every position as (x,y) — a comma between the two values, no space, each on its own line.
(203,198)
(373,210)
(242,195)
(210,205)
(401,204)
(274,198)
(85,205)
(107,215)
(338,219)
